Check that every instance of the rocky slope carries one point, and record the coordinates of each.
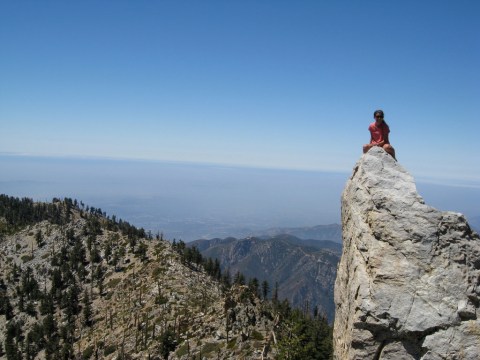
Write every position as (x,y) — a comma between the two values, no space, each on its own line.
(84,286)
(75,283)
(408,283)
(304,270)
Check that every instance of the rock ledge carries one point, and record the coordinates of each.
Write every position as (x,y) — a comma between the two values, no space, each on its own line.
(408,283)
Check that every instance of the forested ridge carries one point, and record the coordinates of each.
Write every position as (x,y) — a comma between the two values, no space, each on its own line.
(77,283)
(17,213)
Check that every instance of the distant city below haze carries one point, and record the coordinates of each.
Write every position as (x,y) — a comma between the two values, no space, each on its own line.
(192,201)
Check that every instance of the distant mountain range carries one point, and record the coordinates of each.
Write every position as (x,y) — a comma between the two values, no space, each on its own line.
(332,232)
(304,269)
(475,223)
(193,230)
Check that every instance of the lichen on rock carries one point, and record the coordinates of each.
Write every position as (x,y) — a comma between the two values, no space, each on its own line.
(408,283)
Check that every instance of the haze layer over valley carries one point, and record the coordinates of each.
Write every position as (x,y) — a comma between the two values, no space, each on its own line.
(185,201)
(192,201)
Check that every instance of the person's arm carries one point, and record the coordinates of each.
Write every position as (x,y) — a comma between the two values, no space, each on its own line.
(371,135)
(385,139)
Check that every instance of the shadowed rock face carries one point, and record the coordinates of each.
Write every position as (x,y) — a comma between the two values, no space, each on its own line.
(408,283)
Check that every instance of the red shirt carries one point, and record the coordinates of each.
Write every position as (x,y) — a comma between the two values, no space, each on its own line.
(379,133)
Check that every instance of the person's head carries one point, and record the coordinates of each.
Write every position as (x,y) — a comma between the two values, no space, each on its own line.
(379,116)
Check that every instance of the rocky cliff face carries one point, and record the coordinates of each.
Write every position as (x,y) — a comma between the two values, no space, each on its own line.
(408,283)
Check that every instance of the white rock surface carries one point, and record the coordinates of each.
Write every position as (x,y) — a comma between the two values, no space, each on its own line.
(408,284)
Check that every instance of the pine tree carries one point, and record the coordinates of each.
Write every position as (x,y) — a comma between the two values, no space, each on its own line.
(265,289)
(253,286)
(39,239)
(87,309)
(217,272)
(239,278)
(95,254)
(226,279)
(70,301)
(167,343)
(115,260)
(13,334)
(142,251)
(35,339)
(51,334)
(275,293)
(5,306)
(30,308)
(108,251)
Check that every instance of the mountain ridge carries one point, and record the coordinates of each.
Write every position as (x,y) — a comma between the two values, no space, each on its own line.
(77,283)
(303,269)
(332,232)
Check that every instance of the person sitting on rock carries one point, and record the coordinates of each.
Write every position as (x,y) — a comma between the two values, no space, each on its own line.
(379,134)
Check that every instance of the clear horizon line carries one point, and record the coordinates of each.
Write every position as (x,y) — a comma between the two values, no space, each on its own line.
(169,161)
(444,180)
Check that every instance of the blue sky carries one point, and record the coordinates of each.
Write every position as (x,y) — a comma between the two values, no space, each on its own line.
(284,84)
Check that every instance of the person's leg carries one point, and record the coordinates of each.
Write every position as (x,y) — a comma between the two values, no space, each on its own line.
(389,149)
(367,147)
